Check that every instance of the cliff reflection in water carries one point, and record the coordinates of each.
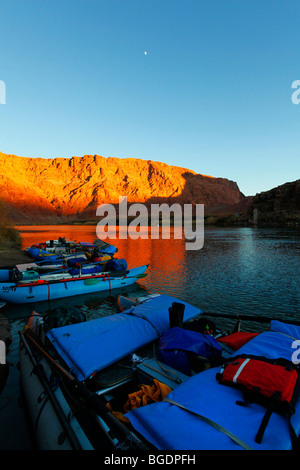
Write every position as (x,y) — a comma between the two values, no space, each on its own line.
(239,270)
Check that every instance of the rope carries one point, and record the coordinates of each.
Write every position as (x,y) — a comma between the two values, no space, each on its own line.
(49,298)
(109,283)
(212,423)
(143,318)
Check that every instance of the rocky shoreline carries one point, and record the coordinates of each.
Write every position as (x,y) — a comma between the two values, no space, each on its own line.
(9,256)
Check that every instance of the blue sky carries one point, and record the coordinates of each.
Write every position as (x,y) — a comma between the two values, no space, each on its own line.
(212,94)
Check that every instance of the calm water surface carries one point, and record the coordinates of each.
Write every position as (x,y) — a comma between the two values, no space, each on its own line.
(239,270)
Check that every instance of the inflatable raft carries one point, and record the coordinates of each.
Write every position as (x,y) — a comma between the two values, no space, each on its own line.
(99,367)
(52,250)
(87,349)
(66,284)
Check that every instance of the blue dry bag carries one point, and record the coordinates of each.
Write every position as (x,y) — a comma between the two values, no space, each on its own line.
(177,344)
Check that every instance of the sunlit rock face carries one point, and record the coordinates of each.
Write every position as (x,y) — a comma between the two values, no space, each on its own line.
(46,189)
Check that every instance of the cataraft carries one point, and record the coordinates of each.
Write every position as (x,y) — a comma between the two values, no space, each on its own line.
(65,262)
(60,254)
(160,376)
(31,286)
(32,268)
(53,250)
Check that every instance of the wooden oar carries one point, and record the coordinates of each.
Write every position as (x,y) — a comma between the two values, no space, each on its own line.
(138,276)
(91,399)
(39,371)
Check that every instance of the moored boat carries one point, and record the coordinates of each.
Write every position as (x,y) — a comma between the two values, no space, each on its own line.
(34,287)
(27,270)
(54,250)
(97,367)
(66,419)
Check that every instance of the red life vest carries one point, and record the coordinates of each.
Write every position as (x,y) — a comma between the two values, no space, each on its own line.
(273,383)
(267,377)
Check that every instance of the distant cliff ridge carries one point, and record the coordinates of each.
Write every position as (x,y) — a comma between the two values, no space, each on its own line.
(37,190)
(279,206)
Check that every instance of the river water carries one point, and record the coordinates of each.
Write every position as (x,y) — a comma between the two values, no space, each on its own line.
(239,270)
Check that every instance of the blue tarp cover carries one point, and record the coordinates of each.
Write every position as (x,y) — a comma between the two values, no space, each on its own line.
(168,426)
(91,346)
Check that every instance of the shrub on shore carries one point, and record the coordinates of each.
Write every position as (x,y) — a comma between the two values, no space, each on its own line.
(9,236)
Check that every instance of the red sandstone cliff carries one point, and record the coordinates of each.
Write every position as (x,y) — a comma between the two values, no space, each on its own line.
(43,190)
